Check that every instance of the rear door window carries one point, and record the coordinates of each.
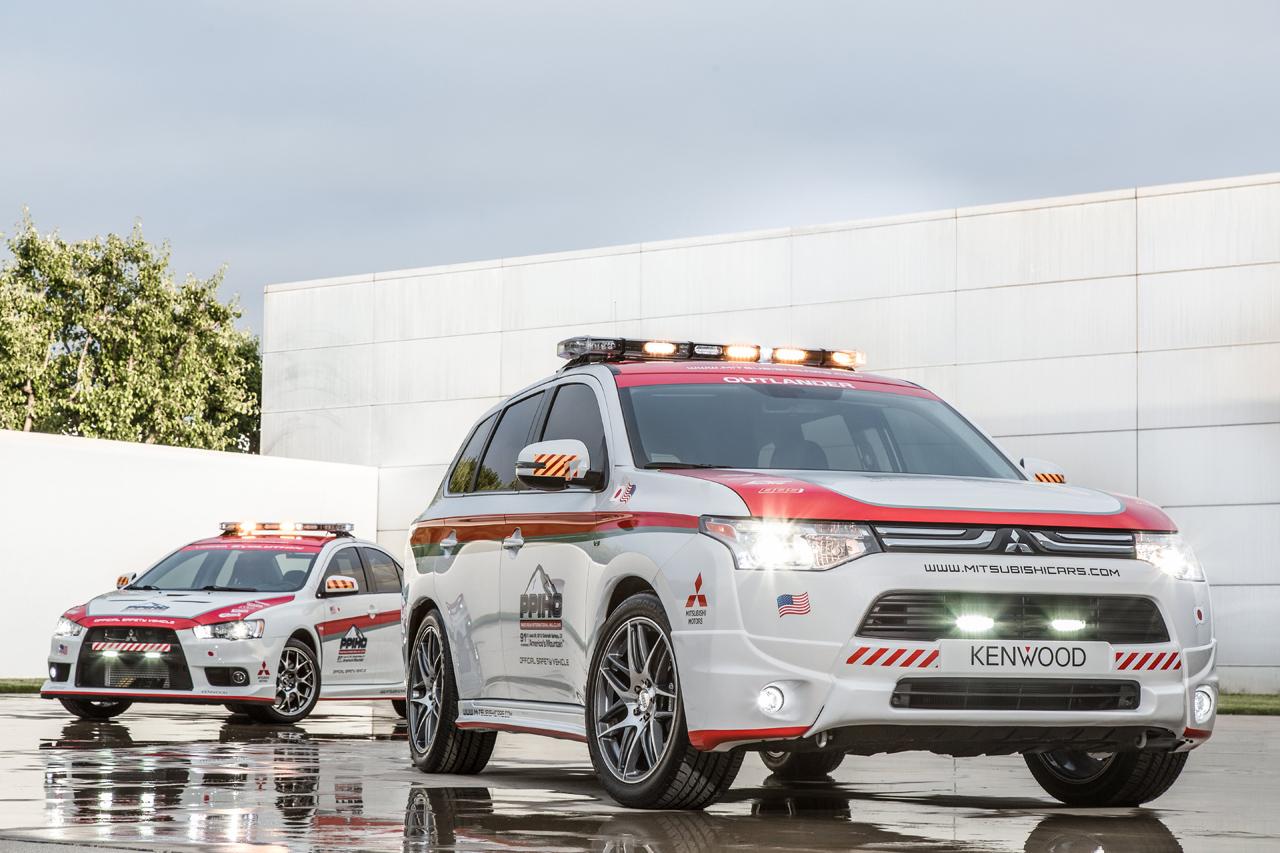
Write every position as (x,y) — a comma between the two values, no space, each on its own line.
(384,574)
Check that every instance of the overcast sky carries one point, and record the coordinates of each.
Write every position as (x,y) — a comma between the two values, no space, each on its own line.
(294,140)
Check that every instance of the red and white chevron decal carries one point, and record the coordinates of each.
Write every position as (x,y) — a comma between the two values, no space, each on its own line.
(132,647)
(1147,661)
(894,656)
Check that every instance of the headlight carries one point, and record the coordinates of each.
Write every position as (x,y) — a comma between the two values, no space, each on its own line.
(67,628)
(758,543)
(249,629)
(1170,554)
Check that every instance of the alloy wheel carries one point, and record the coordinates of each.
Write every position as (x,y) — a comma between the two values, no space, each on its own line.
(426,689)
(295,682)
(635,701)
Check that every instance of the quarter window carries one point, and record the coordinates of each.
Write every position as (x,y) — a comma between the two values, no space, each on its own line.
(465,468)
(575,413)
(498,470)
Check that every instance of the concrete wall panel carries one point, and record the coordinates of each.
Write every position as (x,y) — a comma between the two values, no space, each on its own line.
(1209,308)
(905,331)
(715,277)
(1210,465)
(1209,228)
(1205,387)
(429,306)
(1099,460)
(1046,244)
(422,433)
(863,263)
(317,317)
(403,493)
(407,371)
(579,291)
(1085,394)
(1236,544)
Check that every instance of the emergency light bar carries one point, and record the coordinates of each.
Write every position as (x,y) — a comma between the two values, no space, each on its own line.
(584,349)
(286,528)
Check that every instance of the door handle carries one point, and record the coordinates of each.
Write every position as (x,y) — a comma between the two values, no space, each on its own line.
(449,542)
(514,542)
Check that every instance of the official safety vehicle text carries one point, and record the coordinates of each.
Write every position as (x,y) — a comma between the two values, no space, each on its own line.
(680,552)
(265,619)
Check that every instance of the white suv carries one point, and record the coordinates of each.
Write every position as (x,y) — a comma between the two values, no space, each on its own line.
(266,619)
(680,552)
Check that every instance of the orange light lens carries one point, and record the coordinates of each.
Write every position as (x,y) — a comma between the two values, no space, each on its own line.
(742,352)
(659,348)
(790,355)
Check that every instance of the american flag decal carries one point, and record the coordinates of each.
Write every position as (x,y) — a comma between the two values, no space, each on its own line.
(623,493)
(789,604)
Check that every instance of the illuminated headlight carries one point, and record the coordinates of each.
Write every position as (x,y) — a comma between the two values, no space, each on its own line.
(1170,554)
(1067,625)
(795,545)
(248,629)
(974,623)
(67,628)
(1204,704)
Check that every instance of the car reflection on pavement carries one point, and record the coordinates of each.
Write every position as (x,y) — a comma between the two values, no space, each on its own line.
(285,787)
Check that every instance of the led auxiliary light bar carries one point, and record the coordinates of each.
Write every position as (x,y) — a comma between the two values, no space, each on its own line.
(583,349)
(286,528)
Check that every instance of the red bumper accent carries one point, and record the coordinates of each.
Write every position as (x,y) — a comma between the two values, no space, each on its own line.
(706,739)
(155,697)
(1198,735)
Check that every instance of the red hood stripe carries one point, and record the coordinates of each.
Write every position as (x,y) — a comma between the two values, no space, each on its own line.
(818,502)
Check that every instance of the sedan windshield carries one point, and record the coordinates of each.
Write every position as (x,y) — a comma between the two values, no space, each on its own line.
(223,568)
(806,428)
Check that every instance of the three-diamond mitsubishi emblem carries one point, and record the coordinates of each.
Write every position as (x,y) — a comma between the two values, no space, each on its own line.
(1015,544)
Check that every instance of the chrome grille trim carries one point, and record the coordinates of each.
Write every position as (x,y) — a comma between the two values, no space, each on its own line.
(1010,539)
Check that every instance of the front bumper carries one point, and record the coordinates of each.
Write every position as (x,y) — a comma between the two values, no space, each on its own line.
(203,659)
(837,684)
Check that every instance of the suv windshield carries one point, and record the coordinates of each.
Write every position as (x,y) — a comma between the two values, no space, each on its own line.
(804,428)
(224,568)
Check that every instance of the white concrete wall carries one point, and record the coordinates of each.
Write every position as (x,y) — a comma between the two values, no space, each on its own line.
(79,512)
(1132,336)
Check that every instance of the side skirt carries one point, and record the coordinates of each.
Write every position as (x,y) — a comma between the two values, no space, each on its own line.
(551,719)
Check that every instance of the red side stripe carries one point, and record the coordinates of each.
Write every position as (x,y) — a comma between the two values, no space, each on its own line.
(1128,660)
(1172,657)
(879,653)
(1156,662)
(1178,665)
(928,661)
(893,657)
(1142,661)
(911,657)
(853,658)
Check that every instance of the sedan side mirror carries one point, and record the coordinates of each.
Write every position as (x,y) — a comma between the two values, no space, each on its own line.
(125,580)
(340,585)
(553,465)
(1042,470)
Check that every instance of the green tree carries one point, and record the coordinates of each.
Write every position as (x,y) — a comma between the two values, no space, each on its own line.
(96,339)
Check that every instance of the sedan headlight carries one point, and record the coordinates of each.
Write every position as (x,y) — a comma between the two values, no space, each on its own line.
(1169,553)
(248,629)
(758,543)
(67,628)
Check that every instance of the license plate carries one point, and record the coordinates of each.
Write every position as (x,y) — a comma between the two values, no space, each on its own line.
(1014,656)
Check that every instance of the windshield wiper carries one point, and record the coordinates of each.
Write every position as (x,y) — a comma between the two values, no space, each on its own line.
(144,586)
(655,465)
(215,588)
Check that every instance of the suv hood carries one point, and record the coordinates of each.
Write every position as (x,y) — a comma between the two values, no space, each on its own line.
(937,500)
(178,609)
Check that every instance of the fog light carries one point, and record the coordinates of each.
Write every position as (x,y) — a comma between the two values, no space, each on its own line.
(151,655)
(53,672)
(770,700)
(974,624)
(111,653)
(1067,624)
(1204,704)
(239,676)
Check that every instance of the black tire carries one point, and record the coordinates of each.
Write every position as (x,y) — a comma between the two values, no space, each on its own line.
(400,707)
(284,710)
(1121,779)
(802,766)
(447,748)
(96,709)
(681,777)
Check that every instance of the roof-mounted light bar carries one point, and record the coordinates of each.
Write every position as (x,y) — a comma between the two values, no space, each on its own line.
(286,528)
(583,349)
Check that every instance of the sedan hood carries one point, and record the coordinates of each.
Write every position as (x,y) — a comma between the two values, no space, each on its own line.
(936,500)
(172,609)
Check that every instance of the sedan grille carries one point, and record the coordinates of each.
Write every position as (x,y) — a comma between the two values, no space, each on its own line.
(132,658)
(928,616)
(1015,694)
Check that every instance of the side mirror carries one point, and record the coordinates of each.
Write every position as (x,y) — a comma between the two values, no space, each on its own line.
(340,585)
(125,580)
(1042,470)
(552,465)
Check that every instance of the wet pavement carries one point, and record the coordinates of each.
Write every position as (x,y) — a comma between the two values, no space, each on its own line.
(185,778)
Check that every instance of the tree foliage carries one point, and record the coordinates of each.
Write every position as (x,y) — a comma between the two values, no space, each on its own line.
(96,339)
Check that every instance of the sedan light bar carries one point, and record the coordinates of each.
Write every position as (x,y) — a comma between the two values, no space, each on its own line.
(585,349)
(287,528)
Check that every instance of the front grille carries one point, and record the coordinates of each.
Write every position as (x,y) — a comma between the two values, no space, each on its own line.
(1121,619)
(1044,541)
(1015,694)
(128,667)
